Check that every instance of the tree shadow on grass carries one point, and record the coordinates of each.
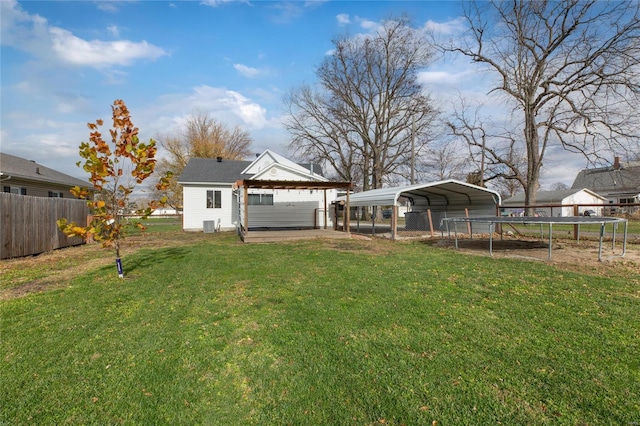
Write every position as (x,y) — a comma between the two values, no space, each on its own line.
(145,259)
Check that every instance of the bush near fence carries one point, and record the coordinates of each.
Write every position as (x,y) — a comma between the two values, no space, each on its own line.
(29,223)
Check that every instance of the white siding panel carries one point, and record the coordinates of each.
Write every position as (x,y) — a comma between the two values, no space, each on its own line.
(275,172)
(196,211)
(581,197)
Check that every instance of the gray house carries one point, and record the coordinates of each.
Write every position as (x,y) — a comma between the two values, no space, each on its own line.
(26,177)
(619,183)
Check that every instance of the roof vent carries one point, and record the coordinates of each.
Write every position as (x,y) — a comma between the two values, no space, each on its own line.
(38,170)
(219,159)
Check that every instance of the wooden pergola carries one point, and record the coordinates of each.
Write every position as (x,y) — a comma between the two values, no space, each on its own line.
(247,184)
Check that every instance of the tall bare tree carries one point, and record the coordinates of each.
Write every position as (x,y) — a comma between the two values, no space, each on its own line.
(444,161)
(497,157)
(367,107)
(571,69)
(201,137)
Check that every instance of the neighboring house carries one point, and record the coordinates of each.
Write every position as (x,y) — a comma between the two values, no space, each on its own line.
(210,197)
(567,197)
(165,211)
(619,183)
(26,177)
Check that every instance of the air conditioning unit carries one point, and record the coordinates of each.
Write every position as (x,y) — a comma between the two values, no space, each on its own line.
(210,226)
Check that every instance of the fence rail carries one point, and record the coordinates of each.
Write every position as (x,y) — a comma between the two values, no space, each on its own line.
(611,209)
(28,224)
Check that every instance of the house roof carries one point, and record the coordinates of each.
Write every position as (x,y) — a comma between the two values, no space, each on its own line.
(549,197)
(611,180)
(20,168)
(210,170)
(447,192)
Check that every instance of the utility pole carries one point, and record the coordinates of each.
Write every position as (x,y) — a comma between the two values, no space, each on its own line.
(413,150)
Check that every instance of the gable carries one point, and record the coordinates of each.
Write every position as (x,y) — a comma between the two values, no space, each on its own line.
(281,172)
(268,158)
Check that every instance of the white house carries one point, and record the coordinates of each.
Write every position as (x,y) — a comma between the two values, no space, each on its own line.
(211,198)
(584,198)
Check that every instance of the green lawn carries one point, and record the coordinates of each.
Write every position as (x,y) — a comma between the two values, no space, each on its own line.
(347,332)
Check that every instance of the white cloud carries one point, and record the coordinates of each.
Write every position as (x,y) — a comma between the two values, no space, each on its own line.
(33,34)
(437,77)
(114,30)
(453,26)
(216,3)
(343,19)
(107,6)
(96,53)
(247,71)
(228,106)
(21,30)
(368,24)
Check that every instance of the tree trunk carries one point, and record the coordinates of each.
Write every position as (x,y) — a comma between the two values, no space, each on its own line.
(533,161)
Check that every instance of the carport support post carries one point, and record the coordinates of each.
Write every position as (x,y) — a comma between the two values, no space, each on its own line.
(430,221)
(466,214)
(325,209)
(550,239)
(246,210)
(575,227)
(394,223)
(348,220)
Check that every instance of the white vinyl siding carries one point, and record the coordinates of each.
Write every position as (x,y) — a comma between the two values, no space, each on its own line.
(196,210)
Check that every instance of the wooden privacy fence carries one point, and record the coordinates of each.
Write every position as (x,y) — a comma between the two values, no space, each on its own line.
(29,226)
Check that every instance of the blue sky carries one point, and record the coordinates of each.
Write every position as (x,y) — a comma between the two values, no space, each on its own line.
(63,63)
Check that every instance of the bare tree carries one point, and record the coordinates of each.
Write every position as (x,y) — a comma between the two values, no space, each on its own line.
(202,137)
(559,186)
(570,67)
(447,160)
(368,106)
(497,158)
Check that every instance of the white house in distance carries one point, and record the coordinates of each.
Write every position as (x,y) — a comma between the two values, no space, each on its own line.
(210,198)
(567,198)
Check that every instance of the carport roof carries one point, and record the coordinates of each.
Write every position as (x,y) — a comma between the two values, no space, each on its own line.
(447,192)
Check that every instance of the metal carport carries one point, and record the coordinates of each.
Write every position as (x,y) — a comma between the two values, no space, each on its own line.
(430,202)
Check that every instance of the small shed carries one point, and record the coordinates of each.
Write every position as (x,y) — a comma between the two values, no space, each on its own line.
(559,203)
(430,202)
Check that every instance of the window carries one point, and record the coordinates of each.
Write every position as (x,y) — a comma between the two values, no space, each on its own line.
(260,199)
(55,194)
(15,190)
(214,199)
